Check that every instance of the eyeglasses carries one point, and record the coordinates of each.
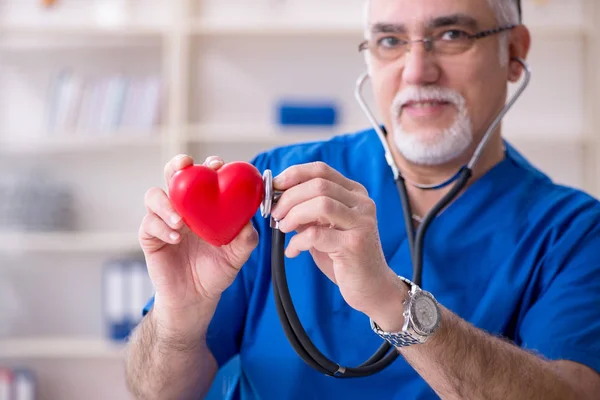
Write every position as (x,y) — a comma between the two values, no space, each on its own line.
(449,42)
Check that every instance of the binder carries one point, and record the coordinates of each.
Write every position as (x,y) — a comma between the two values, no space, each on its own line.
(127,288)
(6,380)
(24,385)
(140,291)
(115,294)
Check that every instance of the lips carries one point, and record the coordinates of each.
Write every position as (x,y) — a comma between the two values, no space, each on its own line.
(424,108)
(425,104)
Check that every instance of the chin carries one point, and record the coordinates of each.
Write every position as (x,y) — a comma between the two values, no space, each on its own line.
(433,147)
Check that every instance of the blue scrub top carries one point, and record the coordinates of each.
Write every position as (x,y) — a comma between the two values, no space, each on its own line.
(516,255)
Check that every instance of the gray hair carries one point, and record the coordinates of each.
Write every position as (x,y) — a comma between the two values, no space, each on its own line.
(507,13)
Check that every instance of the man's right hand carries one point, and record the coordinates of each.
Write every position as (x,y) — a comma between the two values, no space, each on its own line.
(189,274)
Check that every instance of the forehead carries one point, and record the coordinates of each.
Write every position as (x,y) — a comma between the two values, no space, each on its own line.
(419,12)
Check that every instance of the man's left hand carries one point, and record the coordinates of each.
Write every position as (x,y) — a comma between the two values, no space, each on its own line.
(336,221)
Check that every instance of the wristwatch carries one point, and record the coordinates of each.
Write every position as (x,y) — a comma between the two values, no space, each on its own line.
(422,317)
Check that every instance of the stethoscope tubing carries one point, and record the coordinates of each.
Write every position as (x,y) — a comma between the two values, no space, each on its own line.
(292,327)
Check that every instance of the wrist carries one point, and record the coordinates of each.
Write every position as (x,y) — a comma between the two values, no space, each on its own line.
(184,324)
(389,312)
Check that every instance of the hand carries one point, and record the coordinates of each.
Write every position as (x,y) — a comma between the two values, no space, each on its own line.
(336,222)
(186,271)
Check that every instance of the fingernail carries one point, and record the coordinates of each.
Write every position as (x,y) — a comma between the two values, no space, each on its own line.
(214,163)
(174,235)
(180,157)
(175,218)
(282,226)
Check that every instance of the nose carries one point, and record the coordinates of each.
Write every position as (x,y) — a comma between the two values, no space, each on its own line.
(420,67)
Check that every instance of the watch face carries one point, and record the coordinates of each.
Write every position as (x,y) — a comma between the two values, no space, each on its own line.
(425,314)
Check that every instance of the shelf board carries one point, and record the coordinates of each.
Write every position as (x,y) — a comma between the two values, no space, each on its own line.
(267,27)
(91,29)
(78,142)
(558,32)
(57,242)
(30,37)
(240,133)
(551,139)
(61,348)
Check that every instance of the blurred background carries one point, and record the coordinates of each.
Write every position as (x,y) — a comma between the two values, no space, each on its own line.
(96,95)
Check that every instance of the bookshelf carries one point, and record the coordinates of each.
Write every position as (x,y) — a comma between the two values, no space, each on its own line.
(220,77)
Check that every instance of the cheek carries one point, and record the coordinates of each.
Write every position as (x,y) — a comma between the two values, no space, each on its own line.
(481,88)
(385,88)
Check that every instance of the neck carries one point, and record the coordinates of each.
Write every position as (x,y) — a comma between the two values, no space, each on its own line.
(423,200)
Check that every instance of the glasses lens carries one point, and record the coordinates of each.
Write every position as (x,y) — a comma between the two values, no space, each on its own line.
(385,53)
(454,46)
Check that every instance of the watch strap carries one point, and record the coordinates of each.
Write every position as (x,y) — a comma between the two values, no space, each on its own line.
(407,336)
(397,339)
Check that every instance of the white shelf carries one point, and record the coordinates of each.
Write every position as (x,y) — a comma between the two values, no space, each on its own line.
(92,29)
(549,140)
(268,27)
(249,133)
(53,242)
(25,37)
(215,133)
(554,32)
(79,142)
(62,348)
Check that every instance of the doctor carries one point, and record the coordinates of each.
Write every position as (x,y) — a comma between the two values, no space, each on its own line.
(514,262)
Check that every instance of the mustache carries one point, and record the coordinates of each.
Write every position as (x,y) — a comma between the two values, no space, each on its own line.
(426,93)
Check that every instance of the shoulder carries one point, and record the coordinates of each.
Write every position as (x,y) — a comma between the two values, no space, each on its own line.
(565,219)
(550,200)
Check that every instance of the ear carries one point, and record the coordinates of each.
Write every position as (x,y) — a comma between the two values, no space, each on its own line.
(520,42)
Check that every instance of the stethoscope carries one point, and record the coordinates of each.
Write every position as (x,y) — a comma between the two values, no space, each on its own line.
(290,322)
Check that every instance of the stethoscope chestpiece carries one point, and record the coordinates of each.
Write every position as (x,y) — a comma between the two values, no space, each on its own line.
(267,203)
(270,198)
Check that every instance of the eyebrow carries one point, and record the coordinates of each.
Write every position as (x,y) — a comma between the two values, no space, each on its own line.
(454,19)
(438,22)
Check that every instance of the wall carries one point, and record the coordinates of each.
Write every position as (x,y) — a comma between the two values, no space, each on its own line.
(223,65)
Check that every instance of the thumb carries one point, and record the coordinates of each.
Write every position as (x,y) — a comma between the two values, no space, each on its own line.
(214,162)
(244,244)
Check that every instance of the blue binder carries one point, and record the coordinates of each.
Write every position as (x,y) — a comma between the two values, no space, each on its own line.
(307,114)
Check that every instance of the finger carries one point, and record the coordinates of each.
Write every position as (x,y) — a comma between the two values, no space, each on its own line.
(323,211)
(297,174)
(317,187)
(154,232)
(319,238)
(157,202)
(214,162)
(177,163)
(245,241)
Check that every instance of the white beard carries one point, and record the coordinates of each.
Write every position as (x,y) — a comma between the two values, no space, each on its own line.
(432,148)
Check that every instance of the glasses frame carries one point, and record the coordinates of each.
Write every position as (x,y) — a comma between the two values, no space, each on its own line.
(429,41)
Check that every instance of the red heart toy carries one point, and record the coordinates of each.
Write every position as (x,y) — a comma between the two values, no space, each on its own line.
(216,205)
